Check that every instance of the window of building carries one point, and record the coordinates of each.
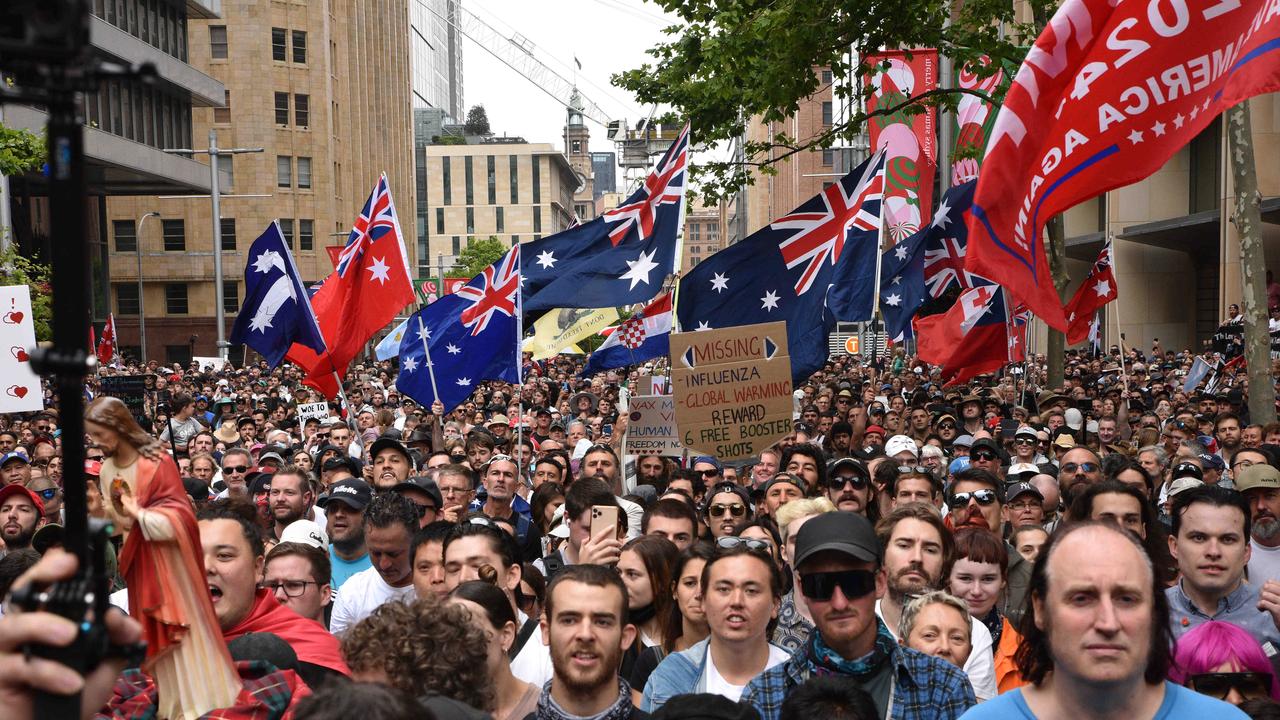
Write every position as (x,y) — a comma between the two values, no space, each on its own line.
(471,221)
(282,108)
(278,44)
(302,110)
(306,234)
(515,240)
(828,157)
(218,42)
(439,221)
(499,219)
(175,298)
(826,77)
(300,46)
(284,171)
(490,167)
(127,299)
(286,229)
(175,235)
(457,245)
(575,146)
(304,172)
(515,180)
(227,226)
(470,183)
(221,115)
(177,355)
(537,218)
(126,235)
(230,296)
(226,164)
(826,112)
(580,210)
(447,179)
(537,181)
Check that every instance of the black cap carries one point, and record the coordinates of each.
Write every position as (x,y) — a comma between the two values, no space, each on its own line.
(842,532)
(1021,488)
(353,492)
(724,487)
(258,481)
(847,462)
(987,443)
(1187,469)
(422,484)
(385,442)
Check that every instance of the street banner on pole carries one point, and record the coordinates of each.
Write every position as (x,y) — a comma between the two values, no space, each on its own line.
(732,388)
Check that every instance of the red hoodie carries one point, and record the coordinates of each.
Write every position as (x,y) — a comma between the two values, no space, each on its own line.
(308,638)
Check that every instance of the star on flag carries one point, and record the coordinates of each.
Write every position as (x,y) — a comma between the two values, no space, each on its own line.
(546,259)
(381,271)
(640,269)
(769,301)
(719,282)
(410,364)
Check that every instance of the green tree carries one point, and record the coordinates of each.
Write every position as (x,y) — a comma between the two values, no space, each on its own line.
(478,255)
(18,270)
(729,61)
(20,151)
(477,121)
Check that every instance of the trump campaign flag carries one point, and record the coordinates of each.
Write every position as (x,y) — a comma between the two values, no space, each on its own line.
(621,257)
(1108,93)
(367,289)
(788,270)
(643,336)
(275,313)
(1098,289)
(465,337)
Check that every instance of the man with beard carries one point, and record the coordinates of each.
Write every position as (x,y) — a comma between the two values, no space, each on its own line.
(1260,485)
(20,514)
(918,549)
(344,512)
(500,481)
(848,485)
(806,461)
(585,625)
(289,496)
(1080,468)
(391,463)
(651,470)
(1226,428)
(390,522)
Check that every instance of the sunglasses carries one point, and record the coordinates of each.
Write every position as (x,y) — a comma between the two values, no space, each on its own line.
(1248,684)
(47,493)
(853,583)
(983,497)
(982,455)
(709,473)
(1085,467)
(838,482)
(1024,441)
(910,469)
(235,469)
(735,509)
(731,541)
(422,509)
(947,426)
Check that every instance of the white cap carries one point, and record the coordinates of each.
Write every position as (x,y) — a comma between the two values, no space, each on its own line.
(901,443)
(559,528)
(1074,418)
(307,533)
(1017,468)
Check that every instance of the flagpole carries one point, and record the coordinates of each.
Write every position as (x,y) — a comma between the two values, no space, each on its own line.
(519,361)
(426,352)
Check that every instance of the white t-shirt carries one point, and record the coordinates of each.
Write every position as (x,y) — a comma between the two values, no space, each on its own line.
(533,663)
(717,685)
(1264,564)
(361,594)
(981,665)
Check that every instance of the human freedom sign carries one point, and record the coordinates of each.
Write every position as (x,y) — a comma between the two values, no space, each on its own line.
(1108,93)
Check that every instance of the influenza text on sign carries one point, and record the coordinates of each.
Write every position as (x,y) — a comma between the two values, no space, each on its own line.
(732,389)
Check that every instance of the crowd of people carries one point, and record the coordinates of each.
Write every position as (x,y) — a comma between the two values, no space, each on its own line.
(1107,548)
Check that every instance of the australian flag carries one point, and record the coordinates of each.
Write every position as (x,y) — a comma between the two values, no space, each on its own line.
(619,258)
(276,312)
(810,268)
(905,280)
(455,342)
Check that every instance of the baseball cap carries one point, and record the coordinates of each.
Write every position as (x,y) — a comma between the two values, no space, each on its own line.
(15,455)
(847,462)
(726,487)
(1025,431)
(962,441)
(258,481)
(901,443)
(9,491)
(1022,471)
(1212,461)
(423,484)
(874,429)
(1074,418)
(1021,488)
(383,443)
(784,477)
(960,463)
(306,532)
(984,443)
(270,456)
(708,459)
(1258,476)
(842,532)
(354,492)
(1187,470)
(1183,484)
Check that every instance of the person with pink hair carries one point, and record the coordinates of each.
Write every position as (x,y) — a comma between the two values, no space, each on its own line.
(1222,660)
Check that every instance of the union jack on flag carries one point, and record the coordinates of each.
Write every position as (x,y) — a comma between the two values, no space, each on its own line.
(824,229)
(492,291)
(664,186)
(944,266)
(377,218)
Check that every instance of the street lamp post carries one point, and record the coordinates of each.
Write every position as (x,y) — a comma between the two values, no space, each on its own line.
(142,314)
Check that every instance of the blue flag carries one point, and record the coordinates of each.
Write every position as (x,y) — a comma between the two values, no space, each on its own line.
(937,248)
(277,310)
(619,258)
(463,338)
(788,270)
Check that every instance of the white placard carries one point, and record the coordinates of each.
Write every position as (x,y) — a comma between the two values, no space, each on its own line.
(19,384)
(205,361)
(306,411)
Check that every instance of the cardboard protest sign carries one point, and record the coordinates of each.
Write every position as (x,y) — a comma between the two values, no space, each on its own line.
(19,385)
(651,426)
(131,389)
(732,388)
(306,411)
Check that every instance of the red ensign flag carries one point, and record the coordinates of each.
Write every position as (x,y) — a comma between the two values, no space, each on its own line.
(1107,94)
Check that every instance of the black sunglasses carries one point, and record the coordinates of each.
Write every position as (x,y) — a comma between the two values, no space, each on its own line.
(984,497)
(1248,684)
(712,472)
(733,509)
(732,541)
(947,426)
(837,482)
(1086,467)
(422,509)
(236,469)
(853,583)
(982,455)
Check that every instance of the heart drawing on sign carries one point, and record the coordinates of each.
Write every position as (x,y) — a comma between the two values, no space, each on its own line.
(18,391)
(13,317)
(19,354)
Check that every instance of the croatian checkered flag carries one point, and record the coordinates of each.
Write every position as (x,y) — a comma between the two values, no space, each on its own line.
(644,336)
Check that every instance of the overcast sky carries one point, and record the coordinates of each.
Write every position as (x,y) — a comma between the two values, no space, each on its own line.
(607,36)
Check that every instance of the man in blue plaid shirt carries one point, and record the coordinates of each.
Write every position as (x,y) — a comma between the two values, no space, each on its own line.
(838,559)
